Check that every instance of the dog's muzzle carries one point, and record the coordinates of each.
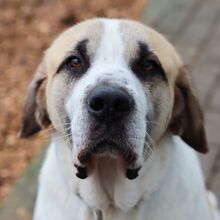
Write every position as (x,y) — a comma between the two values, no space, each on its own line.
(109,108)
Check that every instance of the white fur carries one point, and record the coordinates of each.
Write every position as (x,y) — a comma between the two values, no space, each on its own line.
(170,186)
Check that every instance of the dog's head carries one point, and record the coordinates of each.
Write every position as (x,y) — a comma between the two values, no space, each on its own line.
(113,86)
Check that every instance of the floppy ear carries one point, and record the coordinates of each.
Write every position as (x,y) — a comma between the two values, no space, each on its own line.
(187,117)
(35,115)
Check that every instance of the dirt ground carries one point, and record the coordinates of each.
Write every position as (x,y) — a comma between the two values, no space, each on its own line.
(26,30)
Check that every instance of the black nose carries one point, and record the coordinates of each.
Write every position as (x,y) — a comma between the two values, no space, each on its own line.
(109,103)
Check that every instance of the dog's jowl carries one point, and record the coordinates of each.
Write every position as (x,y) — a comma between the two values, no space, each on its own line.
(126,127)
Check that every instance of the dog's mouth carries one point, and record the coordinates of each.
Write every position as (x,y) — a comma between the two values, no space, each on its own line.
(111,148)
(105,146)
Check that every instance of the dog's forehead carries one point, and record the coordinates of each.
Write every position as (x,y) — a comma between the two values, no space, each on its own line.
(131,34)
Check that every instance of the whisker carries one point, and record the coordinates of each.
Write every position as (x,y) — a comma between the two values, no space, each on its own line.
(148,150)
(150,138)
(148,147)
(153,122)
(64,137)
(48,131)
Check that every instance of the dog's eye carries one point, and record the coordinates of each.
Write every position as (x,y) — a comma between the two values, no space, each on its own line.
(148,69)
(148,65)
(75,62)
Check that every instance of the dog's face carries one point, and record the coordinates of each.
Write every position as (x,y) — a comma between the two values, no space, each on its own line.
(115,87)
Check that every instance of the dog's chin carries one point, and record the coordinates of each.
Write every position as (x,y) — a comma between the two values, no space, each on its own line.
(108,149)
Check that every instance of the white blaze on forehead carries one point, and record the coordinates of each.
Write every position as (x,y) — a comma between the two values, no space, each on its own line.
(111,45)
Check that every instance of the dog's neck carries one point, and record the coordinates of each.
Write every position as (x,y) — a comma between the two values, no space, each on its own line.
(107,186)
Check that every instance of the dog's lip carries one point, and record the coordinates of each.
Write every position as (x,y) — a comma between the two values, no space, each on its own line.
(94,148)
(105,145)
(109,146)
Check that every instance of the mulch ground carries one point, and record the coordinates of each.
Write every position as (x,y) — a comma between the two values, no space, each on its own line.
(26,30)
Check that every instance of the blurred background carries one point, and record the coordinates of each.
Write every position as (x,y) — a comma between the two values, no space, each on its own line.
(27,27)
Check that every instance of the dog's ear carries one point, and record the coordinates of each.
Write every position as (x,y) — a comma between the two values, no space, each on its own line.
(187,117)
(35,115)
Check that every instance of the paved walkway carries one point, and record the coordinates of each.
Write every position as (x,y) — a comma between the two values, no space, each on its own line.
(193,26)
(19,203)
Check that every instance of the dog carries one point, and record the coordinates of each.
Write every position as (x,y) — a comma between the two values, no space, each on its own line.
(125,127)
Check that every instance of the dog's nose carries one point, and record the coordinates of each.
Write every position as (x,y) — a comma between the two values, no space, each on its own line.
(109,103)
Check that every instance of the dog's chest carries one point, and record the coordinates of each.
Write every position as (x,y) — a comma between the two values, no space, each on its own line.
(113,213)
(107,188)
(103,184)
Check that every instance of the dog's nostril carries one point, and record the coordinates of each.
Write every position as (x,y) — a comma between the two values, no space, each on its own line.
(121,105)
(97,104)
